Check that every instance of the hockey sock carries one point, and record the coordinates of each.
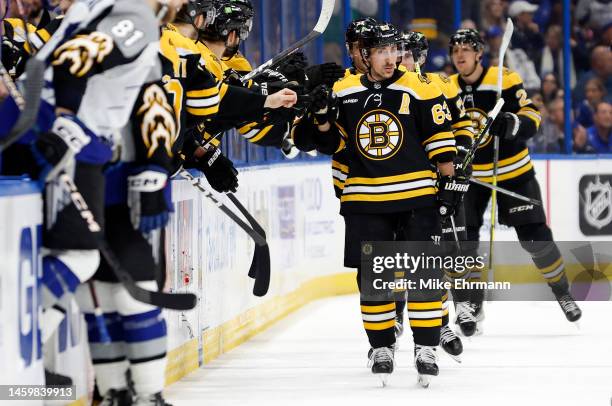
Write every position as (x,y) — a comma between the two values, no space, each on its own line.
(425,320)
(445,309)
(537,239)
(379,322)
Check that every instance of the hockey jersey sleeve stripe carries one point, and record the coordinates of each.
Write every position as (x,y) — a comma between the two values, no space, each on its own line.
(464,133)
(260,133)
(392,179)
(451,151)
(203,93)
(439,144)
(461,124)
(209,111)
(338,165)
(211,101)
(532,114)
(505,176)
(503,162)
(342,131)
(339,175)
(505,168)
(438,137)
(387,197)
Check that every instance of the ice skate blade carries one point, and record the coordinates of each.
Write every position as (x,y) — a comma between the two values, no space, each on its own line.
(479,329)
(384,378)
(456,358)
(576,324)
(424,381)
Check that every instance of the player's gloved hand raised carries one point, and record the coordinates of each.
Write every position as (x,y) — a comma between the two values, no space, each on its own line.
(506,126)
(324,105)
(325,74)
(450,194)
(293,68)
(55,150)
(219,170)
(149,198)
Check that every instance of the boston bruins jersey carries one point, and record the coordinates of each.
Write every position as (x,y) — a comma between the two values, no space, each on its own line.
(15,45)
(393,132)
(479,98)
(192,88)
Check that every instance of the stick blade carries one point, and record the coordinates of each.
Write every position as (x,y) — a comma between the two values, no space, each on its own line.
(327,10)
(262,279)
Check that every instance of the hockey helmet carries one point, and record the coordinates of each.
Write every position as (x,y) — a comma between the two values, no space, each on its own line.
(467,36)
(416,43)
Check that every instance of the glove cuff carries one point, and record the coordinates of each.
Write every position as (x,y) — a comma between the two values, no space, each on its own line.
(148,179)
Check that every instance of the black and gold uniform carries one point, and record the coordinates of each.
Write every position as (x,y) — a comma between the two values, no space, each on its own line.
(14,45)
(392,132)
(192,88)
(515,172)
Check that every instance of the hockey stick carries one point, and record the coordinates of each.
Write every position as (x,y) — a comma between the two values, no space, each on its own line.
(506,192)
(469,157)
(99,316)
(502,54)
(327,10)
(174,301)
(260,265)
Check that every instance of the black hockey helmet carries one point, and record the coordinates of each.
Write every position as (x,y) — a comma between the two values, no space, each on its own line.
(231,15)
(354,29)
(468,36)
(378,36)
(416,43)
(188,13)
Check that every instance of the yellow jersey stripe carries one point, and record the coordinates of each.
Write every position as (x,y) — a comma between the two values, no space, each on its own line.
(339,166)
(435,152)
(510,175)
(209,111)
(388,196)
(203,93)
(261,134)
(392,179)
(503,162)
(438,137)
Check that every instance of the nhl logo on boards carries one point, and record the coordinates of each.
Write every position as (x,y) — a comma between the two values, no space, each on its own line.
(379,135)
(596,204)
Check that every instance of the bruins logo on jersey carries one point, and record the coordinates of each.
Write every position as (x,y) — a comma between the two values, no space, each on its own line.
(82,51)
(379,135)
(158,125)
(479,120)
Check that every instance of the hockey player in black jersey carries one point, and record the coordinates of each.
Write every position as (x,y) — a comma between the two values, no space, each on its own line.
(394,126)
(517,123)
(417,47)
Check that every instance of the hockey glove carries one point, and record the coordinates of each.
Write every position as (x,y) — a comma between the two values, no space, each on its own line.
(149,199)
(324,105)
(462,151)
(218,169)
(293,68)
(506,126)
(450,194)
(55,150)
(325,74)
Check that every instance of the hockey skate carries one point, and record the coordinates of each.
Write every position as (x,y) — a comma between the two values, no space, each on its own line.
(568,305)
(382,363)
(451,343)
(425,358)
(116,398)
(465,318)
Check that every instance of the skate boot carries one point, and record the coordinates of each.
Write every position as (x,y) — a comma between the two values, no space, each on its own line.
(479,315)
(116,398)
(568,305)
(425,361)
(382,363)
(465,318)
(155,399)
(451,343)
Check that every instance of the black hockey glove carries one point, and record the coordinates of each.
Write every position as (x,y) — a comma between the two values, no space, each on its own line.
(217,168)
(293,68)
(149,198)
(506,126)
(57,149)
(325,74)
(232,78)
(450,194)
(324,105)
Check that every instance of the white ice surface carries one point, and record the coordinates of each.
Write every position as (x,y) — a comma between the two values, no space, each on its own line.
(529,355)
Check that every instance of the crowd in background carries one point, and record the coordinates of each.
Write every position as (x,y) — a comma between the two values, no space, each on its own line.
(536,54)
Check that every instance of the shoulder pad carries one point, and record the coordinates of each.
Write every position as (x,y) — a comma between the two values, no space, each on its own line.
(350,81)
(419,86)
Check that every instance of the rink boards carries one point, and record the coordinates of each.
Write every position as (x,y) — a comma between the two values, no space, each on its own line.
(210,256)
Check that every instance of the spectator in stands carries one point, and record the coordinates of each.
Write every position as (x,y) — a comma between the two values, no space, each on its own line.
(537,99)
(550,136)
(468,24)
(600,134)
(494,38)
(596,14)
(552,55)
(550,87)
(493,15)
(601,67)
(581,144)
(526,33)
(595,93)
